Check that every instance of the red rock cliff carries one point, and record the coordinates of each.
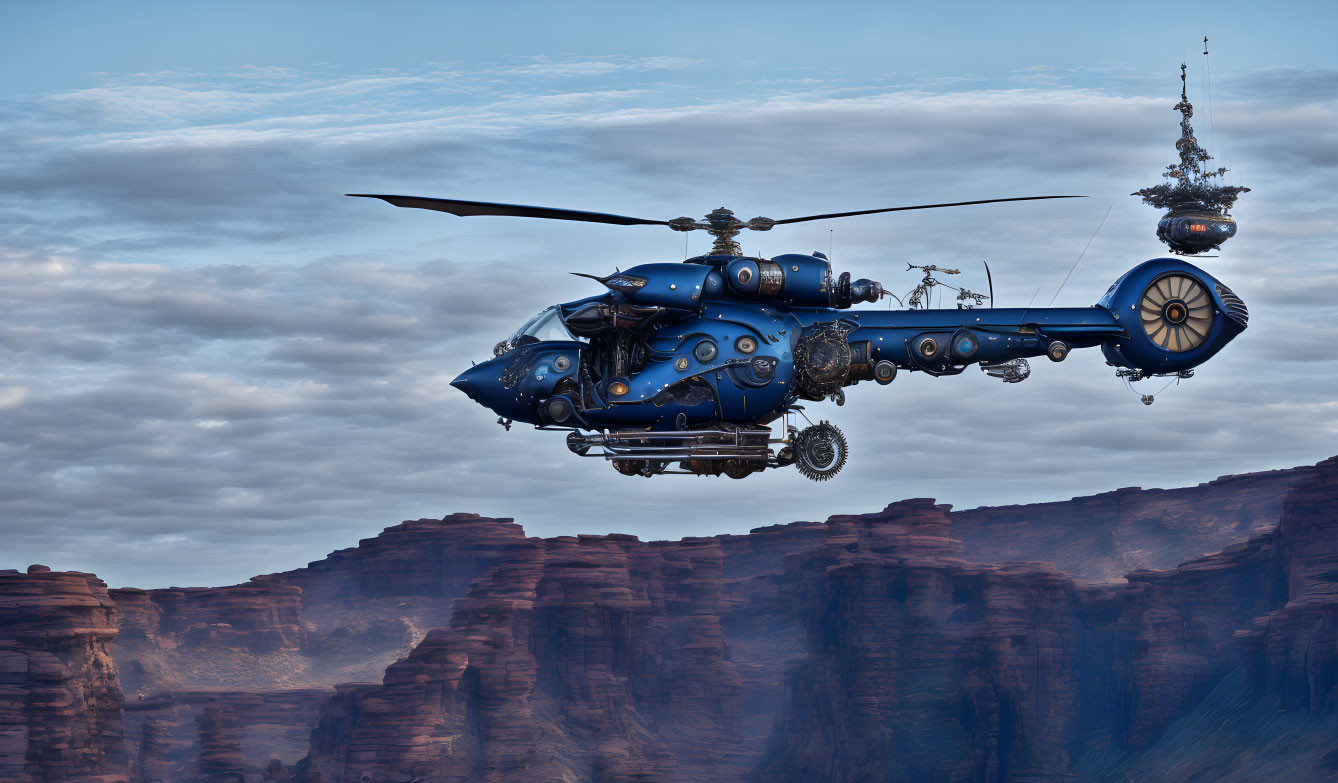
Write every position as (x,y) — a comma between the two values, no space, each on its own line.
(1108,535)
(890,646)
(60,705)
(1292,653)
(865,648)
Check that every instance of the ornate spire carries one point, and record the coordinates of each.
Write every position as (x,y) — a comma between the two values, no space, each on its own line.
(1191,186)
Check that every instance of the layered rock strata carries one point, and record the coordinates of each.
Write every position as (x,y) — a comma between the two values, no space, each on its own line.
(1292,653)
(1108,535)
(865,648)
(60,705)
(894,646)
(342,618)
(232,737)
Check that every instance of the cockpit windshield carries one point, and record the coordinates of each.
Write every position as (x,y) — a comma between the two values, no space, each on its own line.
(547,325)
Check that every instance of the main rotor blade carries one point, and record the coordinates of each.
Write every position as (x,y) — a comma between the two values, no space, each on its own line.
(920,206)
(471,208)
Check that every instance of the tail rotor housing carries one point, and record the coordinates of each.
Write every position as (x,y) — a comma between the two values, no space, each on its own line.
(1175,316)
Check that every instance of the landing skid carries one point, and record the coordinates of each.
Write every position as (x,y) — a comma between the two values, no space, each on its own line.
(734,451)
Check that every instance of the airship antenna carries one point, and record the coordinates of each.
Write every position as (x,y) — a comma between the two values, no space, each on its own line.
(1208,94)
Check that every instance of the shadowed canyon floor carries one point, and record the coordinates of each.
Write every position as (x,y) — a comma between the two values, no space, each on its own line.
(1087,640)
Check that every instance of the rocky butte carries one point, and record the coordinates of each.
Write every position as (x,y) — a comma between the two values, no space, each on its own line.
(1087,640)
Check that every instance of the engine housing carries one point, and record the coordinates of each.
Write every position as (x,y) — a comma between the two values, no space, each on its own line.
(1176,316)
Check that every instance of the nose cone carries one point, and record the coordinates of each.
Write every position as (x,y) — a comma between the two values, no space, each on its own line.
(508,385)
(475,382)
(483,384)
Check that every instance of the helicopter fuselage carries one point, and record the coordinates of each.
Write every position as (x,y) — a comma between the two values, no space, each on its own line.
(689,363)
(735,343)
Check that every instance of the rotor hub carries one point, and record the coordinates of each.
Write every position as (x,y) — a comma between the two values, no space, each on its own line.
(724,226)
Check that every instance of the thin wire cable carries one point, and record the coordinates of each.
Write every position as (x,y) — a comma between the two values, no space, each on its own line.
(1130,386)
(1023,319)
(1080,255)
(1208,78)
(1203,95)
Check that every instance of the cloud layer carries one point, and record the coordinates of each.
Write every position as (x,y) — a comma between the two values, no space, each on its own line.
(212,365)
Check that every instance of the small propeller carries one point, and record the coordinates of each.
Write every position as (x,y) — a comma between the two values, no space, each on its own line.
(720,223)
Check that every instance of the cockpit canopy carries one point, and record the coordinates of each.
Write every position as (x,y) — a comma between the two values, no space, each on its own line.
(545,326)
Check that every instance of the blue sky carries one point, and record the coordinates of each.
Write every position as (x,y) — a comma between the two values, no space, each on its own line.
(213,365)
(73,41)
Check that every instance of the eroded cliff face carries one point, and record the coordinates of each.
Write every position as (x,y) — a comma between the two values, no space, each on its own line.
(1292,653)
(232,736)
(224,684)
(894,646)
(244,635)
(863,649)
(600,656)
(1108,535)
(342,618)
(60,706)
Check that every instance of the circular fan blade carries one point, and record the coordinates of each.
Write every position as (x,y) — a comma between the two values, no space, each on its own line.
(1197,321)
(919,206)
(472,208)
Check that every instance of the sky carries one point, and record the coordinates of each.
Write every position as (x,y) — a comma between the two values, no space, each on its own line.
(213,365)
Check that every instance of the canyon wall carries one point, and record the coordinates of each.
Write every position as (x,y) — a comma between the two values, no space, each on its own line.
(60,704)
(911,644)
(866,648)
(1108,535)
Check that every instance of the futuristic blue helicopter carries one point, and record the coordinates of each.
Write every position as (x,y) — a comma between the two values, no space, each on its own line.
(683,367)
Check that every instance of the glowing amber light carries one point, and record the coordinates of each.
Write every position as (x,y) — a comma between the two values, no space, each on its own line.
(1197,227)
(618,389)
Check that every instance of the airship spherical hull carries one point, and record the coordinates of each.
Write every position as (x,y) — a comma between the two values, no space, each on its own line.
(1189,233)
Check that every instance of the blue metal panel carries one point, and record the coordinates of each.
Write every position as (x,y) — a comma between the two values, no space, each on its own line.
(808,280)
(677,343)
(669,285)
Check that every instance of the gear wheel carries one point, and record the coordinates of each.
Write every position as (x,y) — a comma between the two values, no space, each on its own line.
(742,468)
(820,451)
(823,359)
